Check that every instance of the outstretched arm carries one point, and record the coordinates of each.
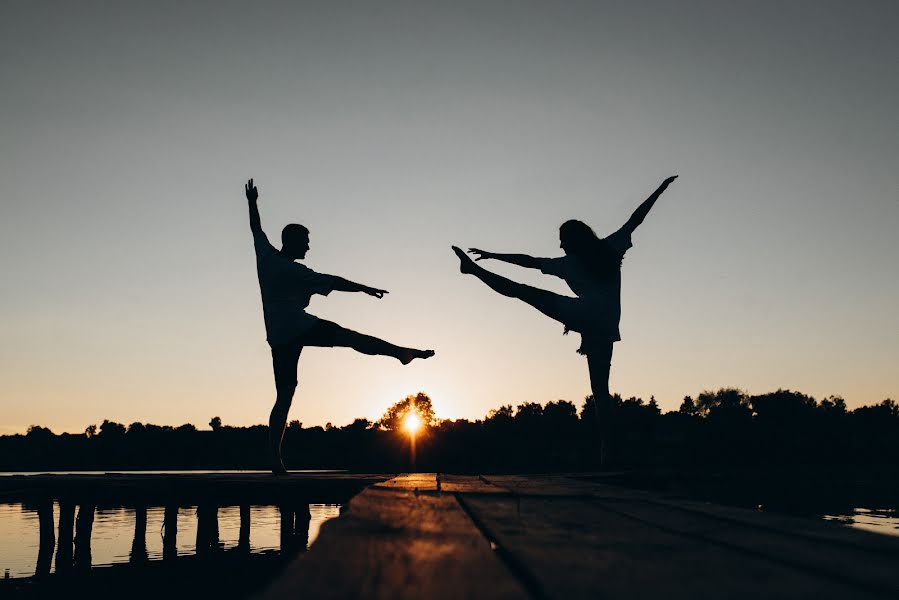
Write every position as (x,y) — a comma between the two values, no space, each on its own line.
(643,209)
(252,196)
(522,260)
(340,284)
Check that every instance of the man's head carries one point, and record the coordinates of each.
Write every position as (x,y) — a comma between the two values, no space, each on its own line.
(294,241)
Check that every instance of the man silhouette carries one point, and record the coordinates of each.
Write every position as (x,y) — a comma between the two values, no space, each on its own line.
(287,287)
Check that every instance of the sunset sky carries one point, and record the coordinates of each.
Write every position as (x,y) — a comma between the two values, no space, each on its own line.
(395,129)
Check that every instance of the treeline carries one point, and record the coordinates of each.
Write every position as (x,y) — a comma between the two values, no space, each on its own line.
(722,428)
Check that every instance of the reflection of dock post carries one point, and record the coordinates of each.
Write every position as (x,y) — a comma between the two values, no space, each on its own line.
(207,528)
(170,533)
(83,526)
(139,545)
(286,527)
(243,543)
(301,526)
(64,556)
(47,537)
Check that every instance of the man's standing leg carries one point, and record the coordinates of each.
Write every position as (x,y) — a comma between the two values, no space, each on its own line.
(284,362)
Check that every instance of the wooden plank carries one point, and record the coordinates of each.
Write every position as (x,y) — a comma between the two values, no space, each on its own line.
(421,482)
(393,544)
(559,485)
(574,548)
(810,528)
(855,565)
(468,484)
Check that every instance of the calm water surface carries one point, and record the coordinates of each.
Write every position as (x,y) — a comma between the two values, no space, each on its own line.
(113,532)
(877,520)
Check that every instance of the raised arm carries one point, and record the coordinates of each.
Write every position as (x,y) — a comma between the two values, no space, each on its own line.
(522,260)
(643,209)
(252,196)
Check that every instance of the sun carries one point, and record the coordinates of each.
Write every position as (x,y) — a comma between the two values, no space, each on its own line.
(412,423)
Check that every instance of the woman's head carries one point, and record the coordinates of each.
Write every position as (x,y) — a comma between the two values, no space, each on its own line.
(577,239)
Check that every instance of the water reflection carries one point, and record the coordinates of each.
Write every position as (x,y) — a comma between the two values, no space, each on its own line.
(37,539)
(878,520)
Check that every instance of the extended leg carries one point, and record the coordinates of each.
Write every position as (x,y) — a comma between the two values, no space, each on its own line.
(328,334)
(284,361)
(599,361)
(544,301)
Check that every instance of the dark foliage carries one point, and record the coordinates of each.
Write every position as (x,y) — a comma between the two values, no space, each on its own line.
(722,428)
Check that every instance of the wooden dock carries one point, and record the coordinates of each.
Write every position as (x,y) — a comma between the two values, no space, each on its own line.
(452,536)
(444,536)
(187,488)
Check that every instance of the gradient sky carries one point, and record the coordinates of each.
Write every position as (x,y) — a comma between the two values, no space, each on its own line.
(393,129)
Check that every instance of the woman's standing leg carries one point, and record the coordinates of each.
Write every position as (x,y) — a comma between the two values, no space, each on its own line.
(284,362)
(599,362)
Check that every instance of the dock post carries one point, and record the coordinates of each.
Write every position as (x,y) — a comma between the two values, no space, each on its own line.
(84,524)
(287,525)
(303,517)
(243,543)
(207,528)
(64,555)
(170,533)
(139,545)
(47,537)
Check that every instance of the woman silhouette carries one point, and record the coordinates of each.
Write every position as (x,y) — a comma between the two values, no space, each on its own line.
(592,269)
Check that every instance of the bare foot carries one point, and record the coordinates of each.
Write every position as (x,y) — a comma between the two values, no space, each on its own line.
(466,265)
(410,354)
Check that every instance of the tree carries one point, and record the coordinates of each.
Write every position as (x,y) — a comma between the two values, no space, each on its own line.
(111,429)
(420,403)
(833,405)
(728,404)
(559,416)
(357,425)
(215,423)
(90,431)
(137,428)
(688,407)
(783,407)
(36,431)
(529,415)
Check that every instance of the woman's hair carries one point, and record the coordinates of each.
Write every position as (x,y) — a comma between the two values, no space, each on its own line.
(597,257)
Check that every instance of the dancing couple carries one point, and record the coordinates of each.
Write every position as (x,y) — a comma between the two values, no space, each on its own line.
(591,267)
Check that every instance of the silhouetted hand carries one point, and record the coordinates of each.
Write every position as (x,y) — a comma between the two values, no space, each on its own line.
(252,192)
(668,181)
(375,292)
(481,254)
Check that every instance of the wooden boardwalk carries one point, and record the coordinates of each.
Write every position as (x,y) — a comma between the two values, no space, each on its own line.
(443,536)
